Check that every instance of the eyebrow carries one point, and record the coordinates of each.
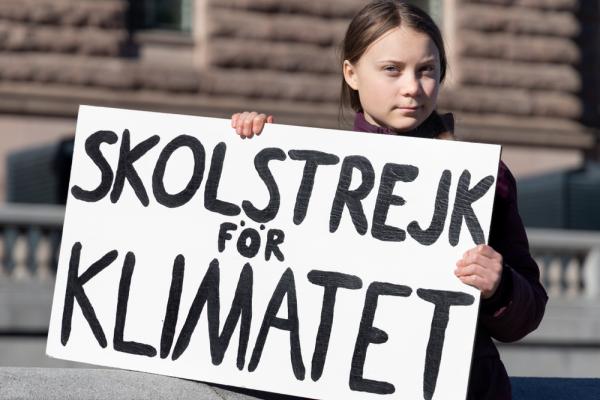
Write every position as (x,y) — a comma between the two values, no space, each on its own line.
(424,61)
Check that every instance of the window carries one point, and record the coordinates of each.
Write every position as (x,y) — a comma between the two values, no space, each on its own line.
(174,15)
(433,7)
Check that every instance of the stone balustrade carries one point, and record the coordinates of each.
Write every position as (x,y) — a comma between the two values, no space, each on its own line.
(567,343)
(569,261)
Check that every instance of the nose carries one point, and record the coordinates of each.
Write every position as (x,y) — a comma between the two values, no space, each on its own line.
(410,84)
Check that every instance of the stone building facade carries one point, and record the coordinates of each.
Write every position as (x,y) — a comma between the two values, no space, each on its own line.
(522,72)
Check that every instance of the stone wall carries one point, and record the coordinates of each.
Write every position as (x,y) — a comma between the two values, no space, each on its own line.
(85,27)
(518,67)
(55,41)
(56,55)
(515,63)
(589,41)
(78,43)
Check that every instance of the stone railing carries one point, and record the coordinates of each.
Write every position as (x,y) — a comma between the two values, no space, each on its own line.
(569,262)
(30,240)
(567,342)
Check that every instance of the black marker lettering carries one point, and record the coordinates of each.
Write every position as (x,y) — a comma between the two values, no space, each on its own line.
(212,185)
(352,198)
(126,170)
(442,300)
(285,288)
(119,344)
(158,185)
(246,249)
(74,291)
(385,198)
(172,311)
(463,208)
(274,238)
(331,281)
(430,235)
(224,234)
(92,148)
(261,163)
(241,308)
(313,159)
(368,334)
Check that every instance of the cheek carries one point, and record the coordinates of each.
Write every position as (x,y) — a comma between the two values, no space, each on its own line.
(375,96)
(431,88)
(374,88)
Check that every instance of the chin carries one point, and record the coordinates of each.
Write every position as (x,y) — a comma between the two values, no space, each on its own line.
(405,125)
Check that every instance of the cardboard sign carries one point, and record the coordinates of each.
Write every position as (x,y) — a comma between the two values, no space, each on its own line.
(311,262)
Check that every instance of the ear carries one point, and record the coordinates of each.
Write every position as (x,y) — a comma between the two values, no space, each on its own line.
(350,76)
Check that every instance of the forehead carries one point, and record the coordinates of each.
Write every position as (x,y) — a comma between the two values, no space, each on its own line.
(402,44)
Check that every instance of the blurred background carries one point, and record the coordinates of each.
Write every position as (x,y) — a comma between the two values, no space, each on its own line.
(523,73)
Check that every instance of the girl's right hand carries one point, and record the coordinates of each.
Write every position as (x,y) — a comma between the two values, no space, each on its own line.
(247,124)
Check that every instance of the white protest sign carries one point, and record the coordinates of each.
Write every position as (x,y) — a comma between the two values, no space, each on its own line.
(306,261)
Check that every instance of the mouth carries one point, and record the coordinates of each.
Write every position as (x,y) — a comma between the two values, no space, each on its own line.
(409,110)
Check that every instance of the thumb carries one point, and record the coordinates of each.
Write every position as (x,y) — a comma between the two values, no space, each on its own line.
(270,119)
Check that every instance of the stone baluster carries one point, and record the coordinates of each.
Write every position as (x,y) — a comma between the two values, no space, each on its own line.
(33,237)
(20,271)
(9,236)
(54,237)
(45,270)
(591,273)
(554,276)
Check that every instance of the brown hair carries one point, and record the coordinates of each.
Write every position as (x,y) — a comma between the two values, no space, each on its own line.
(369,24)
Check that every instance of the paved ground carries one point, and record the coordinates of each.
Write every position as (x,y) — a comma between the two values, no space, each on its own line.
(105,384)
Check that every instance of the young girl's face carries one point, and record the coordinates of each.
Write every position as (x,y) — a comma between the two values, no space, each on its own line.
(397,79)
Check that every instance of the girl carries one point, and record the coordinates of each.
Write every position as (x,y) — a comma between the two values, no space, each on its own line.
(393,63)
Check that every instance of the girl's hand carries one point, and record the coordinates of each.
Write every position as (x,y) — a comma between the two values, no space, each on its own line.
(481,267)
(247,124)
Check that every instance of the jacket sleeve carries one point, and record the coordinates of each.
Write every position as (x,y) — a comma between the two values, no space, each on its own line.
(518,305)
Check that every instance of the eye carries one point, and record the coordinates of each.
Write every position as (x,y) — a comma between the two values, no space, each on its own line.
(391,69)
(428,68)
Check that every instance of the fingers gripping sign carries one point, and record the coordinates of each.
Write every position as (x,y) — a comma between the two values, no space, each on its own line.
(247,124)
(481,267)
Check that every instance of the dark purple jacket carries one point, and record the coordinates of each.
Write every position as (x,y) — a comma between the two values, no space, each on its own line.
(518,305)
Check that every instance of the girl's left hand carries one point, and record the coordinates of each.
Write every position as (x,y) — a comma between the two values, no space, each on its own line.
(481,267)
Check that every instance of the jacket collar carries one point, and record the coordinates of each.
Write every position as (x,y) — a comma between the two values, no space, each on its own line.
(425,130)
